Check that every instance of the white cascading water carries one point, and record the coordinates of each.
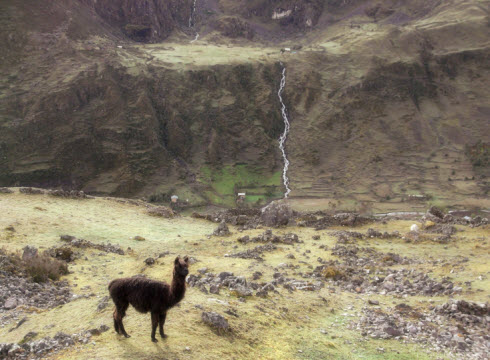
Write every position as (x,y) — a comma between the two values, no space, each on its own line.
(284,135)
(191,18)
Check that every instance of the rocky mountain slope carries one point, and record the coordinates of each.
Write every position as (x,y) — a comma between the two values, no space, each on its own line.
(386,100)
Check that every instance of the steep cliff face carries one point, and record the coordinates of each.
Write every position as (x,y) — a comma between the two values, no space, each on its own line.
(384,101)
(109,132)
(143,20)
(299,14)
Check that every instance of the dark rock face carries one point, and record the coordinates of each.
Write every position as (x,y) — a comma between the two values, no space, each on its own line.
(143,20)
(299,14)
(86,145)
(234,27)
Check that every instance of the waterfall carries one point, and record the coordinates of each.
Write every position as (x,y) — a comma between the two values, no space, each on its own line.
(195,39)
(191,18)
(284,135)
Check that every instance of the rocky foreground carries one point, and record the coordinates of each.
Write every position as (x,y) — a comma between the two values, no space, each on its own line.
(323,283)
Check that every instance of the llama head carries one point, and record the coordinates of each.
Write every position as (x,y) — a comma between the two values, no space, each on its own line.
(181,266)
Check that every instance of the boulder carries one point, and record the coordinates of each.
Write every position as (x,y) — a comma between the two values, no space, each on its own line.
(222,230)
(10,303)
(215,320)
(277,213)
(30,252)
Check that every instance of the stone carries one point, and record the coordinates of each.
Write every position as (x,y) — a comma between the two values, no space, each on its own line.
(414,228)
(261,293)
(10,303)
(139,238)
(103,303)
(241,291)
(30,252)
(29,336)
(216,321)
(389,286)
(222,230)
(277,213)
(150,261)
(391,331)
(223,275)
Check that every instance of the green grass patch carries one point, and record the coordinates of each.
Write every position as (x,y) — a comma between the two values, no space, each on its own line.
(230,179)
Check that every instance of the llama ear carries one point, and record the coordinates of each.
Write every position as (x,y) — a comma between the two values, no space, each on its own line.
(186,259)
(177,260)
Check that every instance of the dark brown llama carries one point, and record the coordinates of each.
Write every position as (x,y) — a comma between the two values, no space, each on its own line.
(146,295)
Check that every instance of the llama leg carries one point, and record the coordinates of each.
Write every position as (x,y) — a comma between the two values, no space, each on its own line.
(154,324)
(116,324)
(121,312)
(162,323)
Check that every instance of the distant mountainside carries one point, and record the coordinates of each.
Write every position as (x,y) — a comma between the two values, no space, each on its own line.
(386,100)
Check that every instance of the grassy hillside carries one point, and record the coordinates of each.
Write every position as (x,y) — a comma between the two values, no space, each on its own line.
(285,324)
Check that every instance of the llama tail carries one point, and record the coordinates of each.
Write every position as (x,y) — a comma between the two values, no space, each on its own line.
(111,284)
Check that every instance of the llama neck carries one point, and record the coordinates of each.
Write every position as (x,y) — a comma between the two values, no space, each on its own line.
(177,289)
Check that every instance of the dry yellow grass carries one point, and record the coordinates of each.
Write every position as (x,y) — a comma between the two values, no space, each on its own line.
(264,329)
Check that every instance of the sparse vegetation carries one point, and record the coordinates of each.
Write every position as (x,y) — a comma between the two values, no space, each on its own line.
(332,272)
(42,268)
(39,268)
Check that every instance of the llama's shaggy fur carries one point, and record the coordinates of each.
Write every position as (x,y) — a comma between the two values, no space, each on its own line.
(148,295)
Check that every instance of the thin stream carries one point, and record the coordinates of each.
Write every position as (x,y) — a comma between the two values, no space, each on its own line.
(284,135)
(191,20)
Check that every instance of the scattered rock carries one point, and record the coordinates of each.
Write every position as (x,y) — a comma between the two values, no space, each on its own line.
(255,253)
(69,194)
(10,303)
(81,243)
(29,253)
(216,321)
(222,230)
(150,261)
(97,331)
(29,336)
(4,190)
(31,191)
(103,303)
(161,211)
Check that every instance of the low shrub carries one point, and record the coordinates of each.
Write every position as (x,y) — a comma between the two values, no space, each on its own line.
(332,272)
(40,268)
(43,267)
